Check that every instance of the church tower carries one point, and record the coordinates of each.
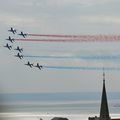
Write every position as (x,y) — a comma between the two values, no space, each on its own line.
(104,111)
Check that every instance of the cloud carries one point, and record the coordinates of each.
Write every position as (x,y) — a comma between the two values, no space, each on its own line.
(51,3)
(71,2)
(91,2)
(11,19)
(52,25)
(101,19)
(94,19)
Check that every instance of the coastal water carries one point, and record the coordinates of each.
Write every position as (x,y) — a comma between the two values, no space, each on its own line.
(74,106)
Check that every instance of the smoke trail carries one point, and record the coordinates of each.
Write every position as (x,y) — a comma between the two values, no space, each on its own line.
(46,35)
(89,57)
(95,37)
(68,40)
(48,40)
(82,68)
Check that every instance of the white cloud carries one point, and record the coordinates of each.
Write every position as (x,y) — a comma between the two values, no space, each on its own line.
(71,2)
(57,2)
(11,19)
(101,19)
(91,2)
(17,20)
(94,19)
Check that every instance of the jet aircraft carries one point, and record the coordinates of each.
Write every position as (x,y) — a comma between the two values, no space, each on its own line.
(19,56)
(19,49)
(39,66)
(11,39)
(12,30)
(8,46)
(23,34)
(29,64)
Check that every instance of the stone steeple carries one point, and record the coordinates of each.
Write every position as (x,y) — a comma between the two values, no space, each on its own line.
(104,111)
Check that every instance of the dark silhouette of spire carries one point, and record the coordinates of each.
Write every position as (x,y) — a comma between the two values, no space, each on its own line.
(104,111)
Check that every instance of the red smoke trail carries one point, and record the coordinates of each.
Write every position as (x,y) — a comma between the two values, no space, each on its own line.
(48,40)
(52,40)
(97,37)
(69,40)
(46,35)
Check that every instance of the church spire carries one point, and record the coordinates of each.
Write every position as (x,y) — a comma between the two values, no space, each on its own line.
(103,75)
(104,111)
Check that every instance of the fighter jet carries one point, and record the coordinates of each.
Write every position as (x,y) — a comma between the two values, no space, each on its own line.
(19,56)
(29,64)
(8,46)
(23,34)
(11,39)
(12,30)
(39,66)
(19,49)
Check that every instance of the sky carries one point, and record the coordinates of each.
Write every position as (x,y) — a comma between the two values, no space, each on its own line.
(59,17)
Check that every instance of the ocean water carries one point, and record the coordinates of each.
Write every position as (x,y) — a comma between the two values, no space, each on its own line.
(74,106)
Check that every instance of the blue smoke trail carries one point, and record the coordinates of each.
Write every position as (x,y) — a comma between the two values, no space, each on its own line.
(82,68)
(89,57)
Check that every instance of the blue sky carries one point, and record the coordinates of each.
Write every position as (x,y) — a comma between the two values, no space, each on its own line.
(71,17)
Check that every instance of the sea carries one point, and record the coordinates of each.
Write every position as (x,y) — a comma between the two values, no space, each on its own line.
(45,106)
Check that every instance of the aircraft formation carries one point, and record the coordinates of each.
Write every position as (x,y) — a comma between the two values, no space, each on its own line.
(59,38)
(19,49)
